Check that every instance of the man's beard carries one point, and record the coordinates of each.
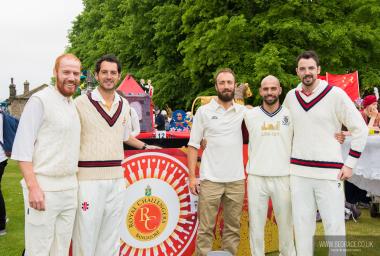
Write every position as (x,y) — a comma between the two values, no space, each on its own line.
(308,83)
(272,101)
(226,95)
(63,88)
(107,88)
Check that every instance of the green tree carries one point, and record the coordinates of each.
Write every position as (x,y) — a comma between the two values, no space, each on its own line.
(180,44)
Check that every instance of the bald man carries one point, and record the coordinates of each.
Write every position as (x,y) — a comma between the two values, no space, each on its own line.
(270,138)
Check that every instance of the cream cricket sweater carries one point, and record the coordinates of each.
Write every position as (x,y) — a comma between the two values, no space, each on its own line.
(316,118)
(101,149)
(56,149)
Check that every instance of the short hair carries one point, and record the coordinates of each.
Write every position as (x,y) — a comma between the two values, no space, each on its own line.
(308,55)
(270,78)
(109,58)
(63,56)
(224,70)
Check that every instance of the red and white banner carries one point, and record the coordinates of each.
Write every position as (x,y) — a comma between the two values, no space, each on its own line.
(348,82)
(160,213)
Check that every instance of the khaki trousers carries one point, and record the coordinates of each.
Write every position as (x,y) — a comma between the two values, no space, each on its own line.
(231,195)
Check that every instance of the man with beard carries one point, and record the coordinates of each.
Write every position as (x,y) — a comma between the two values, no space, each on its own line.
(270,134)
(317,170)
(47,148)
(104,117)
(221,171)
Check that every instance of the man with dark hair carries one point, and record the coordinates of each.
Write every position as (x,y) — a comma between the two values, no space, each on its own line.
(317,169)
(222,178)
(109,58)
(104,117)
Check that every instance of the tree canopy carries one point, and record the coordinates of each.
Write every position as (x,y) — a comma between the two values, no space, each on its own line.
(180,44)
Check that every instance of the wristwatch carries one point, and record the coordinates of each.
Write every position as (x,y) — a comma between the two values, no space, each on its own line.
(145,146)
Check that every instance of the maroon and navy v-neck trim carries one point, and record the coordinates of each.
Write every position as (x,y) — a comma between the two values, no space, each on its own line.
(271,114)
(110,120)
(308,105)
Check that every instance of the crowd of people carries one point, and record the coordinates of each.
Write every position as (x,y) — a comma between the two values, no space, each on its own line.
(70,153)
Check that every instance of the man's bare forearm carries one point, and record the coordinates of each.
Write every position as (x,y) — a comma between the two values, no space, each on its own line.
(192,158)
(28,174)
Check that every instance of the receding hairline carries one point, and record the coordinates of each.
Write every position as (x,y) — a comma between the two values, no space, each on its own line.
(224,70)
(59,59)
(270,78)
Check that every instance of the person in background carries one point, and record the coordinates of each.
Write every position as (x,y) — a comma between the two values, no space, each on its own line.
(370,112)
(371,116)
(167,123)
(3,164)
(159,120)
(134,124)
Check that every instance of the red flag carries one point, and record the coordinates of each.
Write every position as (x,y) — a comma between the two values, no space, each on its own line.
(348,82)
(322,77)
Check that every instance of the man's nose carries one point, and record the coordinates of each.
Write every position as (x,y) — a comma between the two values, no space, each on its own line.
(71,76)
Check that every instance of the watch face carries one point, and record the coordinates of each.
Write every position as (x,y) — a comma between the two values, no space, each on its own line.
(160,214)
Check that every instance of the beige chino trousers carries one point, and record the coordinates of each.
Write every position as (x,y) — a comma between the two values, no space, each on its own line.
(212,194)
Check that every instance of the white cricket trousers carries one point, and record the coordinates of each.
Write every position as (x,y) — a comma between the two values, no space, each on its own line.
(260,189)
(49,232)
(308,195)
(98,219)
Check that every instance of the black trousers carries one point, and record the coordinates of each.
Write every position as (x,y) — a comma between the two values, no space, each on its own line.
(354,194)
(3,213)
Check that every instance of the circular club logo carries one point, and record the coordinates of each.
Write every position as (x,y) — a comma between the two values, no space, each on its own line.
(159,210)
(147,218)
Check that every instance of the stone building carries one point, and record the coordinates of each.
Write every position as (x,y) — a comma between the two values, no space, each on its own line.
(16,102)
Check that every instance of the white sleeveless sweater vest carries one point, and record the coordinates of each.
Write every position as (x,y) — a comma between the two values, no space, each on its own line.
(56,150)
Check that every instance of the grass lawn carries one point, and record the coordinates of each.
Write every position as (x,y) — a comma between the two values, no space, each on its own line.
(12,244)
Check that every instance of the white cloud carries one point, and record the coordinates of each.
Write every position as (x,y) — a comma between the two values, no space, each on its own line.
(33,34)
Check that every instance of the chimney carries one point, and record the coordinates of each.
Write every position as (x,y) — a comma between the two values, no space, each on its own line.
(26,87)
(12,90)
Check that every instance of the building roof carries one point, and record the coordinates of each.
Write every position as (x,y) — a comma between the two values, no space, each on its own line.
(31,92)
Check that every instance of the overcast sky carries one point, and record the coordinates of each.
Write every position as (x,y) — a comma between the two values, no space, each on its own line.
(33,34)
